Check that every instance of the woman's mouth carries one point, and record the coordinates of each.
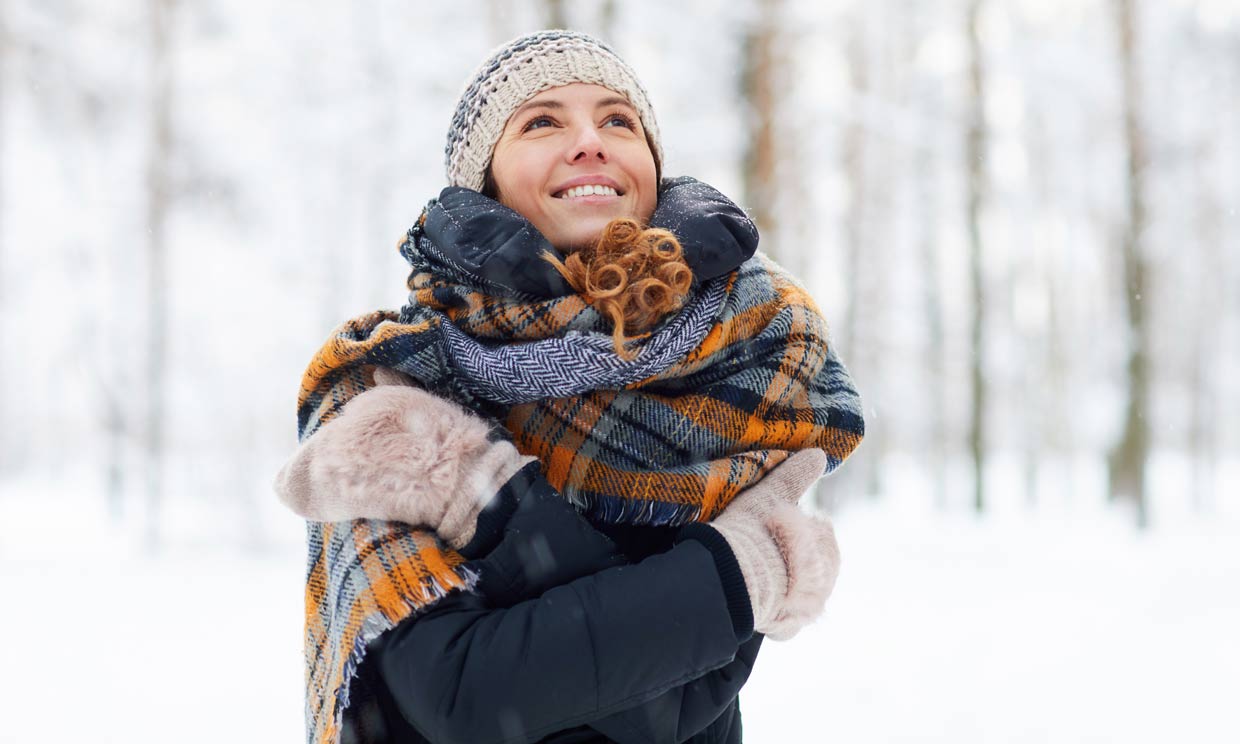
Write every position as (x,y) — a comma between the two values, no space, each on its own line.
(587,190)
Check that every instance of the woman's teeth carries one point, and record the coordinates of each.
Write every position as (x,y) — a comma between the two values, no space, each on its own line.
(587,190)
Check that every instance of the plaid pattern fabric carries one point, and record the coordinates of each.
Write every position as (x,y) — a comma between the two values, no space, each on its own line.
(363,578)
(719,394)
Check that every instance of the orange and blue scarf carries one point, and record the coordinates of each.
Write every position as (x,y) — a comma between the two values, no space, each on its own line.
(718,394)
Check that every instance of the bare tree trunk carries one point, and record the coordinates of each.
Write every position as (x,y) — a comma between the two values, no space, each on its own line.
(927,192)
(1203,428)
(116,433)
(1127,460)
(853,156)
(159,199)
(1205,283)
(1056,431)
(383,109)
(1209,306)
(607,21)
(555,15)
(758,90)
(926,205)
(4,68)
(975,155)
(1044,429)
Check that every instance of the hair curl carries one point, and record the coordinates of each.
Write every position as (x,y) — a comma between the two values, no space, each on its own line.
(633,275)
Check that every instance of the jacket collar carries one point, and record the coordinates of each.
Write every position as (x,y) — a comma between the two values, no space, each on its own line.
(485,238)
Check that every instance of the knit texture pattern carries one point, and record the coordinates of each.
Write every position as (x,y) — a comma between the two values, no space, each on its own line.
(720,393)
(516,72)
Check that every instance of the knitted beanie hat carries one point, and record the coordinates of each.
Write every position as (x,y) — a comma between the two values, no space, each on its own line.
(516,72)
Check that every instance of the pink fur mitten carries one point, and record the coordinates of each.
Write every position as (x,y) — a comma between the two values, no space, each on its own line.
(399,453)
(789,559)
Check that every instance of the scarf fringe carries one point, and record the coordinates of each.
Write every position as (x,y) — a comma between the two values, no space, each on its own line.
(372,629)
(606,509)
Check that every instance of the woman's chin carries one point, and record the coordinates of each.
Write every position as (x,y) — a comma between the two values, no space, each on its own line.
(583,233)
(567,245)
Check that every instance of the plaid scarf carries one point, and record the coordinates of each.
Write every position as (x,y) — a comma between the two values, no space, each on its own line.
(719,394)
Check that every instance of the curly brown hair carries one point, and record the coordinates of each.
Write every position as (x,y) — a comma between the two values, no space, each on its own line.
(633,275)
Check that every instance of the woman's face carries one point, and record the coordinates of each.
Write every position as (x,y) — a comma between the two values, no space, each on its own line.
(568,137)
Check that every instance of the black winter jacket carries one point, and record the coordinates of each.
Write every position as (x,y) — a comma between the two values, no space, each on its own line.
(642,634)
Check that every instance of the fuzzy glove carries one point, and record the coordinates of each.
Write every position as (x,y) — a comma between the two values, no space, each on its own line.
(789,559)
(399,453)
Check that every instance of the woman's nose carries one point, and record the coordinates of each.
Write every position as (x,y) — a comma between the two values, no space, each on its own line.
(587,144)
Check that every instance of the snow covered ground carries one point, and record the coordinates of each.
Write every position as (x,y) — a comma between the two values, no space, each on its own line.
(949,629)
(941,629)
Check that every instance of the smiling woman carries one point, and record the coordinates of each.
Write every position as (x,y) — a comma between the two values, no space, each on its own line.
(572,159)
(577,163)
(598,555)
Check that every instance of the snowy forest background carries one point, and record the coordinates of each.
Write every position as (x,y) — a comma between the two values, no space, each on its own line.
(1019,217)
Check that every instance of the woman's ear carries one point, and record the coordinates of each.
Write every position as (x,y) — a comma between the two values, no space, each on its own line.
(489,188)
(658,167)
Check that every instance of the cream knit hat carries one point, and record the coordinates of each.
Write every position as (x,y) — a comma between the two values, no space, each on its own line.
(521,69)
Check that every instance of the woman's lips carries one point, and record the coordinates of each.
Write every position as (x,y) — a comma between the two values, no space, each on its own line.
(590,199)
(589,183)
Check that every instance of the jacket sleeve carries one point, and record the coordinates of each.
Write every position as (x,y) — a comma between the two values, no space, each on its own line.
(537,541)
(466,672)
(685,711)
(547,542)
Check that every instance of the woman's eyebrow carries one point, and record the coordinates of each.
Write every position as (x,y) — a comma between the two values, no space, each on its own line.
(551,104)
(554,104)
(613,101)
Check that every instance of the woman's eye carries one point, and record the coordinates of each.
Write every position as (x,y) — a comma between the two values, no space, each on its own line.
(533,123)
(624,120)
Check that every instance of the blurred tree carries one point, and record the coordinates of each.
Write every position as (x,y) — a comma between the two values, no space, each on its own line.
(607,21)
(555,15)
(158,208)
(5,46)
(1204,284)
(760,79)
(383,159)
(975,168)
(865,277)
(852,152)
(1204,331)
(1047,376)
(1127,460)
(923,99)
